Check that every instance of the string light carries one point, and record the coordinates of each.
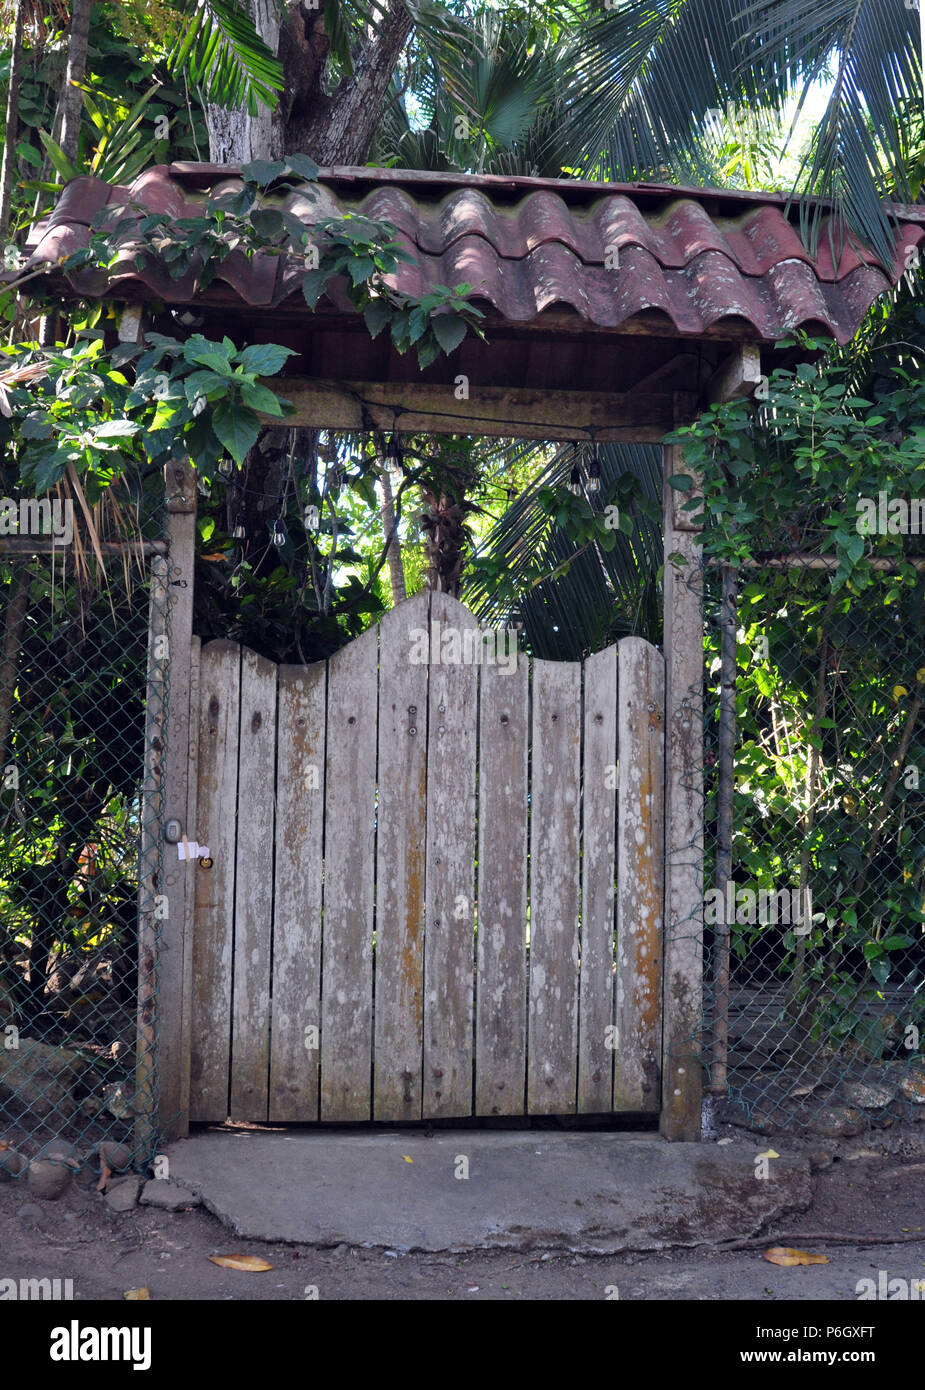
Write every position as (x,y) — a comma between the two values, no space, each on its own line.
(239,531)
(394,452)
(594,472)
(279,532)
(574,482)
(225,467)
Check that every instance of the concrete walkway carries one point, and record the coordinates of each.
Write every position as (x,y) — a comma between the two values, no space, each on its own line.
(470,1190)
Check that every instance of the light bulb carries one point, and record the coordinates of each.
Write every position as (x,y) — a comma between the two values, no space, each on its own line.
(239,532)
(574,482)
(594,472)
(279,533)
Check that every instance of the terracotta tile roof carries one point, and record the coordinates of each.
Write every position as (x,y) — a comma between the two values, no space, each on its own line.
(697,256)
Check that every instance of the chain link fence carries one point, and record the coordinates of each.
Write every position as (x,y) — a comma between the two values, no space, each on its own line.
(814,856)
(82,702)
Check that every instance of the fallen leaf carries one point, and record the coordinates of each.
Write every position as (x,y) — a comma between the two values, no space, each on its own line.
(143,1293)
(407,1159)
(784,1255)
(105,1175)
(253,1263)
(4,1144)
(769,1153)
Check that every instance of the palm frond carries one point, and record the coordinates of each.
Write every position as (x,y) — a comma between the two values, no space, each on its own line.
(648,72)
(595,595)
(222,52)
(860,154)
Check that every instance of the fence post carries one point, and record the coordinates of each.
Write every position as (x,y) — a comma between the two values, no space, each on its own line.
(682,976)
(178,883)
(149,852)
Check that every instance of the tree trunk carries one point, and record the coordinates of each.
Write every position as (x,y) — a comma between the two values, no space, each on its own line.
(12,124)
(393,554)
(234,136)
(338,129)
(71,100)
(335,128)
(332,129)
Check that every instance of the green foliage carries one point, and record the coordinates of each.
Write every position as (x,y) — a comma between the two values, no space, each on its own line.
(808,455)
(120,151)
(196,397)
(831,677)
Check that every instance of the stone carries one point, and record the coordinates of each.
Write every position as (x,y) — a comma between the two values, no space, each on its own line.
(11,1164)
(48,1180)
(56,1154)
(819,1159)
(912,1085)
(30,1213)
(868,1095)
(168,1197)
(122,1194)
(837,1121)
(41,1080)
(116,1157)
(760,1123)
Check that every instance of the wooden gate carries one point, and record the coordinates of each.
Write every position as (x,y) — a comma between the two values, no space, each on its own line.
(436,878)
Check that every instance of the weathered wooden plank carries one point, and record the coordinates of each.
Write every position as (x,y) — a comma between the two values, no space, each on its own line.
(189,925)
(640,868)
(177,877)
(219,706)
(598,863)
(151,838)
(739,375)
(501,993)
(250,1043)
(682,1002)
(449,948)
(350,829)
(400,848)
(295,1033)
(539,413)
(554,882)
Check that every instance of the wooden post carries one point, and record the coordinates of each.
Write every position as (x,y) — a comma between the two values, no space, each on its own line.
(682,1080)
(152,811)
(178,884)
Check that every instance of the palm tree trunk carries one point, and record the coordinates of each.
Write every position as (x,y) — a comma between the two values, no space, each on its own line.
(17,606)
(393,554)
(12,124)
(65,129)
(71,101)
